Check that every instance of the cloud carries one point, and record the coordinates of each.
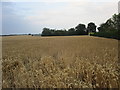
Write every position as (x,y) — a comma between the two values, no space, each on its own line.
(13,23)
(74,13)
(59,0)
(25,17)
(119,7)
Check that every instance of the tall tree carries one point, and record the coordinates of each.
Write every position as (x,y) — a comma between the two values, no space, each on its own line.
(103,27)
(91,27)
(80,29)
(111,28)
(112,24)
(46,32)
(116,21)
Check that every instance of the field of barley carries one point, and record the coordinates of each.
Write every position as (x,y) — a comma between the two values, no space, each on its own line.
(60,62)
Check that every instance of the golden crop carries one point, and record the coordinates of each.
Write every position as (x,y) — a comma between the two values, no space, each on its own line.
(60,62)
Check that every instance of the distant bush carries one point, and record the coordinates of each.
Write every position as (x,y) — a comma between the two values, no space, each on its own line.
(110,29)
(29,34)
(80,29)
(112,34)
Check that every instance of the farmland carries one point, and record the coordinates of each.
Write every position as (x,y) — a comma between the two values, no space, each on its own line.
(60,62)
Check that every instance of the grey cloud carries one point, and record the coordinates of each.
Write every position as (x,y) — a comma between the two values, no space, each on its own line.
(13,23)
(64,17)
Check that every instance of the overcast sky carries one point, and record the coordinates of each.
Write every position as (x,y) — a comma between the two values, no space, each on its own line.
(30,17)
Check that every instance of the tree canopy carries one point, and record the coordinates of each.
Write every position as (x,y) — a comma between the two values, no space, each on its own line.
(110,28)
(80,29)
(112,24)
(91,27)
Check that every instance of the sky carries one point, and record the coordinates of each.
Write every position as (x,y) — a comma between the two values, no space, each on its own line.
(23,16)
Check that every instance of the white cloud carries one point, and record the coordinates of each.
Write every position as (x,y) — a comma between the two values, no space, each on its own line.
(119,7)
(59,0)
(75,13)
(61,14)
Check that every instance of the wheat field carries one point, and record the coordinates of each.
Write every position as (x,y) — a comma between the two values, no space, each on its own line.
(60,62)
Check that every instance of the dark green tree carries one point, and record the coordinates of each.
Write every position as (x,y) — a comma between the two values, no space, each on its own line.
(80,29)
(103,27)
(111,28)
(46,32)
(71,31)
(91,27)
(111,24)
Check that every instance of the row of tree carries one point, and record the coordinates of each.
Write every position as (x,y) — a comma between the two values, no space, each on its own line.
(80,29)
(111,28)
(112,24)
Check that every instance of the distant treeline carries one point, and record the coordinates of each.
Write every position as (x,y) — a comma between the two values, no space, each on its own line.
(80,29)
(110,29)
(14,35)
